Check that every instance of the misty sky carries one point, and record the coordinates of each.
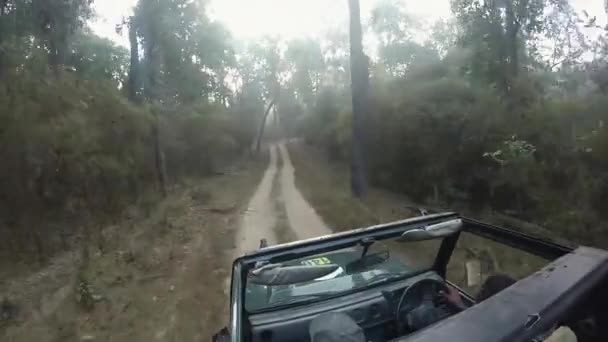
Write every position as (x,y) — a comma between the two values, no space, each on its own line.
(250,19)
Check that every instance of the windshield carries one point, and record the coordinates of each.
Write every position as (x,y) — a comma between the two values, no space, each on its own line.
(385,261)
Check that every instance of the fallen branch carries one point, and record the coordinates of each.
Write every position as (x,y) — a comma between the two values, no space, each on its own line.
(220,210)
(151,277)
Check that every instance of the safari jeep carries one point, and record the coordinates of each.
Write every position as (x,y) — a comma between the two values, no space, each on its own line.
(389,283)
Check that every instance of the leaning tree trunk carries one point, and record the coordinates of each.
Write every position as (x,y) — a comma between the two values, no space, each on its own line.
(359,69)
(263,124)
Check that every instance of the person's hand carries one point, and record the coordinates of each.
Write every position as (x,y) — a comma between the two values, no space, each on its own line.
(453,297)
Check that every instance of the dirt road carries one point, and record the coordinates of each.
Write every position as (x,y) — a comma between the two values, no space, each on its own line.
(276,198)
(303,219)
(259,219)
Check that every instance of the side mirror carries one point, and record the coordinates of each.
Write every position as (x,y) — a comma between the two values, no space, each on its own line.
(221,336)
(433,231)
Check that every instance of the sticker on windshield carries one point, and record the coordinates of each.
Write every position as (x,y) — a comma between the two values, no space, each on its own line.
(316,261)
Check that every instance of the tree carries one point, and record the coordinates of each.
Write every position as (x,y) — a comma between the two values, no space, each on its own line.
(504,36)
(82,141)
(261,72)
(396,30)
(336,51)
(305,60)
(185,56)
(98,58)
(444,34)
(133,85)
(270,105)
(55,21)
(359,87)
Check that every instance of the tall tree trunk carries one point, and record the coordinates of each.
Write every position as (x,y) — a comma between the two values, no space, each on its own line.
(150,73)
(3,25)
(85,252)
(134,67)
(58,48)
(512,54)
(263,124)
(159,158)
(359,69)
(153,66)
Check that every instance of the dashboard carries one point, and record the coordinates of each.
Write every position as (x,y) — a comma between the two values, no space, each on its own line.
(371,309)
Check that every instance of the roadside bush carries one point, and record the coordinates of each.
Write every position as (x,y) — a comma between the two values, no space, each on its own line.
(441,139)
(199,141)
(74,149)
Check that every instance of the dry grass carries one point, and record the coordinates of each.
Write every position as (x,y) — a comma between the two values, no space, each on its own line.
(326,186)
(160,275)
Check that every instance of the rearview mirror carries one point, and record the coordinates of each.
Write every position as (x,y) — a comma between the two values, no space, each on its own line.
(367,261)
(433,231)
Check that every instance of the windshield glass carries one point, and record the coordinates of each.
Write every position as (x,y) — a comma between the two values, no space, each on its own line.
(384,262)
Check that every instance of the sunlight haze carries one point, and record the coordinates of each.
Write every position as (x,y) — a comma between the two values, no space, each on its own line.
(251,19)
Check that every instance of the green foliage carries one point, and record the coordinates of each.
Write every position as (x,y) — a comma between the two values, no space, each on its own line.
(185,53)
(200,140)
(40,29)
(306,60)
(69,139)
(73,146)
(503,36)
(480,111)
(98,58)
(396,29)
(391,23)
(437,137)
(496,110)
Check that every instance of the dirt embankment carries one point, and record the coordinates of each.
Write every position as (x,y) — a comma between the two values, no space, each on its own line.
(159,277)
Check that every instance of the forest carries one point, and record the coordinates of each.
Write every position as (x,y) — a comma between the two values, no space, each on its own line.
(501,107)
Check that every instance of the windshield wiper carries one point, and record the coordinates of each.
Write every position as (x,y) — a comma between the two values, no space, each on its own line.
(385,278)
(390,277)
(304,298)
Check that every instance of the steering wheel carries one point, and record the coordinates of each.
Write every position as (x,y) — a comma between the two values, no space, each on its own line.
(422,296)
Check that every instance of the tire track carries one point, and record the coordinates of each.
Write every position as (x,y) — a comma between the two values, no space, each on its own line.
(282,228)
(303,219)
(277,211)
(260,218)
